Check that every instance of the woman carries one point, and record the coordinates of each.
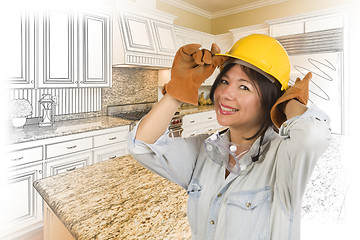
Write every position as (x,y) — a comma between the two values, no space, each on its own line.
(247,181)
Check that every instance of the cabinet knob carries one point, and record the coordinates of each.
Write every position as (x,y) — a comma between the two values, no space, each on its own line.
(112,157)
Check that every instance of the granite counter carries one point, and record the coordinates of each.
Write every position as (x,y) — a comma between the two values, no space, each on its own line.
(117,199)
(63,128)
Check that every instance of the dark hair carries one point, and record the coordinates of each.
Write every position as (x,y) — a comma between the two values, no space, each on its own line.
(269,93)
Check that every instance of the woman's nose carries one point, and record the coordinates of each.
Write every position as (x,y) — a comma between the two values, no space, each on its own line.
(229,92)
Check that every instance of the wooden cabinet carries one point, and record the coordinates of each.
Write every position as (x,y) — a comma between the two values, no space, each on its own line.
(19,69)
(21,205)
(95,61)
(110,152)
(198,123)
(143,40)
(21,208)
(59,49)
(305,24)
(54,229)
(67,163)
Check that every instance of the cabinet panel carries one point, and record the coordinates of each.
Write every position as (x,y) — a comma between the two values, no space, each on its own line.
(109,138)
(165,37)
(139,33)
(21,205)
(19,40)
(25,156)
(58,149)
(57,38)
(326,23)
(110,152)
(95,67)
(69,163)
(284,29)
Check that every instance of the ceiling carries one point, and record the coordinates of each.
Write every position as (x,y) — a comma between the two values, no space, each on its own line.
(218,8)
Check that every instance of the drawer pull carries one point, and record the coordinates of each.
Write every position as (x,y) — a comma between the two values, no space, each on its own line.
(18,159)
(112,138)
(71,147)
(112,157)
(209,117)
(192,121)
(70,169)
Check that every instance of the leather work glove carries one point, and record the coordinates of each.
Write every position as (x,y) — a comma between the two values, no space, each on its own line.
(191,67)
(299,91)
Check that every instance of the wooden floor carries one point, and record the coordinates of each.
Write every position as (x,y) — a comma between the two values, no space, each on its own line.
(34,235)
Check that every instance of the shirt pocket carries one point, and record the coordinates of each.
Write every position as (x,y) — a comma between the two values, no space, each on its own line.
(248,215)
(194,191)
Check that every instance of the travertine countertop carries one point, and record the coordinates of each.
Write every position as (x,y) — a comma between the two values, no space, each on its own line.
(63,128)
(117,199)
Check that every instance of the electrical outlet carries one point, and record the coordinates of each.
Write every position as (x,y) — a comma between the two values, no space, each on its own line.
(56,100)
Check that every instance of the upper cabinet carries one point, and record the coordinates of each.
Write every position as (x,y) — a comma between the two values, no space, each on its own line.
(143,37)
(19,41)
(60,49)
(95,61)
(57,35)
(305,24)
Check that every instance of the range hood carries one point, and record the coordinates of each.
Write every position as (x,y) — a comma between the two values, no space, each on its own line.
(143,37)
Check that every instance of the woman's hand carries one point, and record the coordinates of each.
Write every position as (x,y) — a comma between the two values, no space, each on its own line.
(293,102)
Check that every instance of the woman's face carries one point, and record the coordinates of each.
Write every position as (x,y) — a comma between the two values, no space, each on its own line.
(237,101)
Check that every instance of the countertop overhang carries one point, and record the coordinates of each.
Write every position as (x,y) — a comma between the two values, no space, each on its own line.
(117,199)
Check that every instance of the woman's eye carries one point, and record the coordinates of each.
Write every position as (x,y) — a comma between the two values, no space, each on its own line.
(224,82)
(243,87)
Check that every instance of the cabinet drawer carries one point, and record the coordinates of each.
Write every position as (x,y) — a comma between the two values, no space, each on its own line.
(197,118)
(24,156)
(110,138)
(68,163)
(58,149)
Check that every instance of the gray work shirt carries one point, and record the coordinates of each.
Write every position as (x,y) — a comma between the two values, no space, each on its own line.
(263,202)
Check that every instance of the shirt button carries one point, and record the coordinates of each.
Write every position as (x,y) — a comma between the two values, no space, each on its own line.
(219,195)
(212,222)
(248,204)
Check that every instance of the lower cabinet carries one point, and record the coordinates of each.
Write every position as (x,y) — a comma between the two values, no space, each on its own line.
(197,123)
(54,229)
(67,163)
(110,152)
(21,208)
(21,205)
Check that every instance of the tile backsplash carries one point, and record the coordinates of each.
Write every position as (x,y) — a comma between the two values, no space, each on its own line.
(129,85)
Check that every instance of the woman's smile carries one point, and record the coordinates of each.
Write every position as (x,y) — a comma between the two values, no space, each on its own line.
(227,110)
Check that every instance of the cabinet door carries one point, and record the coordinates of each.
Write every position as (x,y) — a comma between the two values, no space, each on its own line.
(57,38)
(19,50)
(95,50)
(21,206)
(165,36)
(110,152)
(137,33)
(69,163)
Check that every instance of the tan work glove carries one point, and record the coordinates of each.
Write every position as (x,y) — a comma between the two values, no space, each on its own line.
(299,91)
(191,67)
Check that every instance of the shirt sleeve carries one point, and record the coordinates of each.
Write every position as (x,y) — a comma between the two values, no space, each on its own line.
(304,139)
(171,158)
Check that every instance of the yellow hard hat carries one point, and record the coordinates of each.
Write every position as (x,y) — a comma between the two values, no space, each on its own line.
(265,54)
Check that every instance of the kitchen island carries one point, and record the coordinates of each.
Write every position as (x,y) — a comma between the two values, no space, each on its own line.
(116,199)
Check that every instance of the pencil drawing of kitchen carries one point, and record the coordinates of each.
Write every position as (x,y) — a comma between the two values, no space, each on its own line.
(81,74)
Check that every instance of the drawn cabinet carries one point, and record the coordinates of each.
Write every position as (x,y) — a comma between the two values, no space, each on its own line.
(95,50)
(21,206)
(19,69)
